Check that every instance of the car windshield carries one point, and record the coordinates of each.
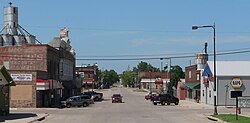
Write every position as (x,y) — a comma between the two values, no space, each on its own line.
(116,95)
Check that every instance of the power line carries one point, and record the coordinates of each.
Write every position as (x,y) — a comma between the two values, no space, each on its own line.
(164,55)
(154,58)
(23,58)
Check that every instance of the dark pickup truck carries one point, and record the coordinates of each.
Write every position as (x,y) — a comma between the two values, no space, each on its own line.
(165,98)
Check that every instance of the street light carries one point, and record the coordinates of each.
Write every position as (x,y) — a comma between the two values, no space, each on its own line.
(211,26)
(168,71)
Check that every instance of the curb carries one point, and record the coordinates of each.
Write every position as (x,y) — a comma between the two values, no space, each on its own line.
(212,118)
(215,119)
(39,118)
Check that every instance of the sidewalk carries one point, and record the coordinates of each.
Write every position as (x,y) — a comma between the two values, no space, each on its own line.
(22,117)
(221,109)
(194,105)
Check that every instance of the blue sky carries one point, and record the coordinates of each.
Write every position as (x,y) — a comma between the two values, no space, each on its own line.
(139,27)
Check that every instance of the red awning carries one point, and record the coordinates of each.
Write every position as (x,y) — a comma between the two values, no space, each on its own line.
(42,84)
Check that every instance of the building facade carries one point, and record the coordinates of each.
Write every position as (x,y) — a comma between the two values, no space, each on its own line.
(232,77)
(154,81)
(192,85)
(38,69)
(89,76)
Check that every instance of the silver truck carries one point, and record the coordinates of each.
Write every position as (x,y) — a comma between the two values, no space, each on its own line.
(80,100)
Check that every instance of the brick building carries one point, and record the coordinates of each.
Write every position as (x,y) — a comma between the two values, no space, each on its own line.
(31,67)
(192,85)
(153,80)
(43,73)
(89,76)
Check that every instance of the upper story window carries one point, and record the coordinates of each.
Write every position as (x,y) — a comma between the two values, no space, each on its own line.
(197,76)
(189,74)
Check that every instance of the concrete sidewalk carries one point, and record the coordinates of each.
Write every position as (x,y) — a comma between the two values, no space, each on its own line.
(23,118)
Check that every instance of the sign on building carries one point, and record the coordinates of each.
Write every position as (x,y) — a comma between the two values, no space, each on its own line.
(244,102)
(21,77)
(236,83)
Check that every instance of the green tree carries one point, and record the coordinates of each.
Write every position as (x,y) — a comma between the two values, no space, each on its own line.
(108,77)
(128,78)
(145,67)
(176,75)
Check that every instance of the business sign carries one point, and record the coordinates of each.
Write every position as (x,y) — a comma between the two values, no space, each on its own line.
(236,83)
(21,77)
(244,102)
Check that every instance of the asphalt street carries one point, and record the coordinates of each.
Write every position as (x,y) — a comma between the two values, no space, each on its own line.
(134,109)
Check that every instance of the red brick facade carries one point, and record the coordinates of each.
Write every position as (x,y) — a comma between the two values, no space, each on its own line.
(191,74)
(41,61)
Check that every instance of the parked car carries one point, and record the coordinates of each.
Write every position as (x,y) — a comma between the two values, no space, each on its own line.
(87,98)
(149,96)
(96,96)
(117,98)
(165,98)
(79,101)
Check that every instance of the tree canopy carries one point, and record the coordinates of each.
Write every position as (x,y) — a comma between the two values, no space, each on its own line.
(108,78)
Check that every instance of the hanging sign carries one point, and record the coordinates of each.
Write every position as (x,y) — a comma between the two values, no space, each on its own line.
(236,83)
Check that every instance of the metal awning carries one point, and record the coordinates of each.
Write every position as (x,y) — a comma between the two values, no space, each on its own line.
(193,85)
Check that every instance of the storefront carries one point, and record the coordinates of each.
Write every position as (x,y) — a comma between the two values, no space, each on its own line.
(233,78)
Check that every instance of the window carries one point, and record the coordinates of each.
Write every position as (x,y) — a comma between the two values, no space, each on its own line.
(189,74)
(203,93)
(198,76)
(209,93)
(14,10)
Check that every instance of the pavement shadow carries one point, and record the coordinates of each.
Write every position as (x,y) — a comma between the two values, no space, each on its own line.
(15,116)
(106,99)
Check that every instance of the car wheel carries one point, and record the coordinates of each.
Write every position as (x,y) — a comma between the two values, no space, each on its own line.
(155,103)
(84,104)
(168,103)
(176,103)
(96,98)
(162,103)
(68,105)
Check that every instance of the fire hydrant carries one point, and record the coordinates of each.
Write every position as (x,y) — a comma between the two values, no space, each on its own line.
(239,110)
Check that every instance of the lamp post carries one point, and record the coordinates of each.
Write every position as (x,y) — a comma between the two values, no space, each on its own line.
(150,89)
(165,68)
(211,26)
(161,64)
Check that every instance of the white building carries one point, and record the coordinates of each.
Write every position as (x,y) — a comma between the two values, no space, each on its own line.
(232,78)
